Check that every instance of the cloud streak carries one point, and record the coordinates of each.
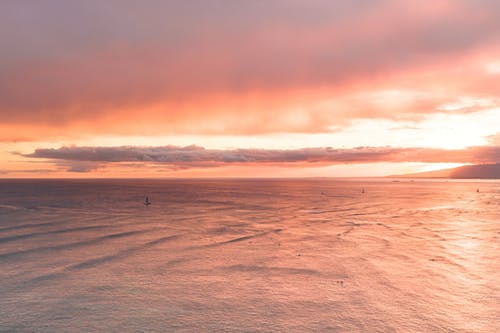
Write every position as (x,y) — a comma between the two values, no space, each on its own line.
(83,159)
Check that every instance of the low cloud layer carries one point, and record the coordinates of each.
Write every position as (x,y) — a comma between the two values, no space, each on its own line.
(81,159)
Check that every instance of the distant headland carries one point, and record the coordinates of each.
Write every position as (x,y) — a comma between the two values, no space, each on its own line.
(481,171)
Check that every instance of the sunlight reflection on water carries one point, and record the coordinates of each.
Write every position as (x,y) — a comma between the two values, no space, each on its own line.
(241,255)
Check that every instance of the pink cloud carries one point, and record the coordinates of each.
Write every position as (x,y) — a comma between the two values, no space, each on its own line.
(182,67)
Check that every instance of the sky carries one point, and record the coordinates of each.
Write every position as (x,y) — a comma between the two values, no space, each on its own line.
(233,88)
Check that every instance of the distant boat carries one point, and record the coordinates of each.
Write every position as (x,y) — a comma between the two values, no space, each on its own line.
(147,202)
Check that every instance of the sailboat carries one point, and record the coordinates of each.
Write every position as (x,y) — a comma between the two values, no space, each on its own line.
(147,202)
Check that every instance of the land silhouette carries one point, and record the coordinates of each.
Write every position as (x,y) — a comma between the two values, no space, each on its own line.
(482,171)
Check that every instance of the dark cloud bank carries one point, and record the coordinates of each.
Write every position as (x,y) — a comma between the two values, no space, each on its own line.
(195,156)
(64,61)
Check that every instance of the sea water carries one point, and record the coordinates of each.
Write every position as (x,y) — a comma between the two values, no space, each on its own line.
(276,255)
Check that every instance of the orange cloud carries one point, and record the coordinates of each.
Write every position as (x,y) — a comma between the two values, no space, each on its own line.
(238,67)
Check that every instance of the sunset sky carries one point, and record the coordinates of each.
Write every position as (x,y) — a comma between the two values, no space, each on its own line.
(232,88)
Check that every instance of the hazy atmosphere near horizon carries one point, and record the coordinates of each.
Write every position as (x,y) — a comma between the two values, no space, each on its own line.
(249,166)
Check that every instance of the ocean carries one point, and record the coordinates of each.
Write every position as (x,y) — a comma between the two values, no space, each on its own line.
(268,255)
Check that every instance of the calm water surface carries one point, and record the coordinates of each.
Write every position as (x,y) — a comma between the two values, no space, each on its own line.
(249,256)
